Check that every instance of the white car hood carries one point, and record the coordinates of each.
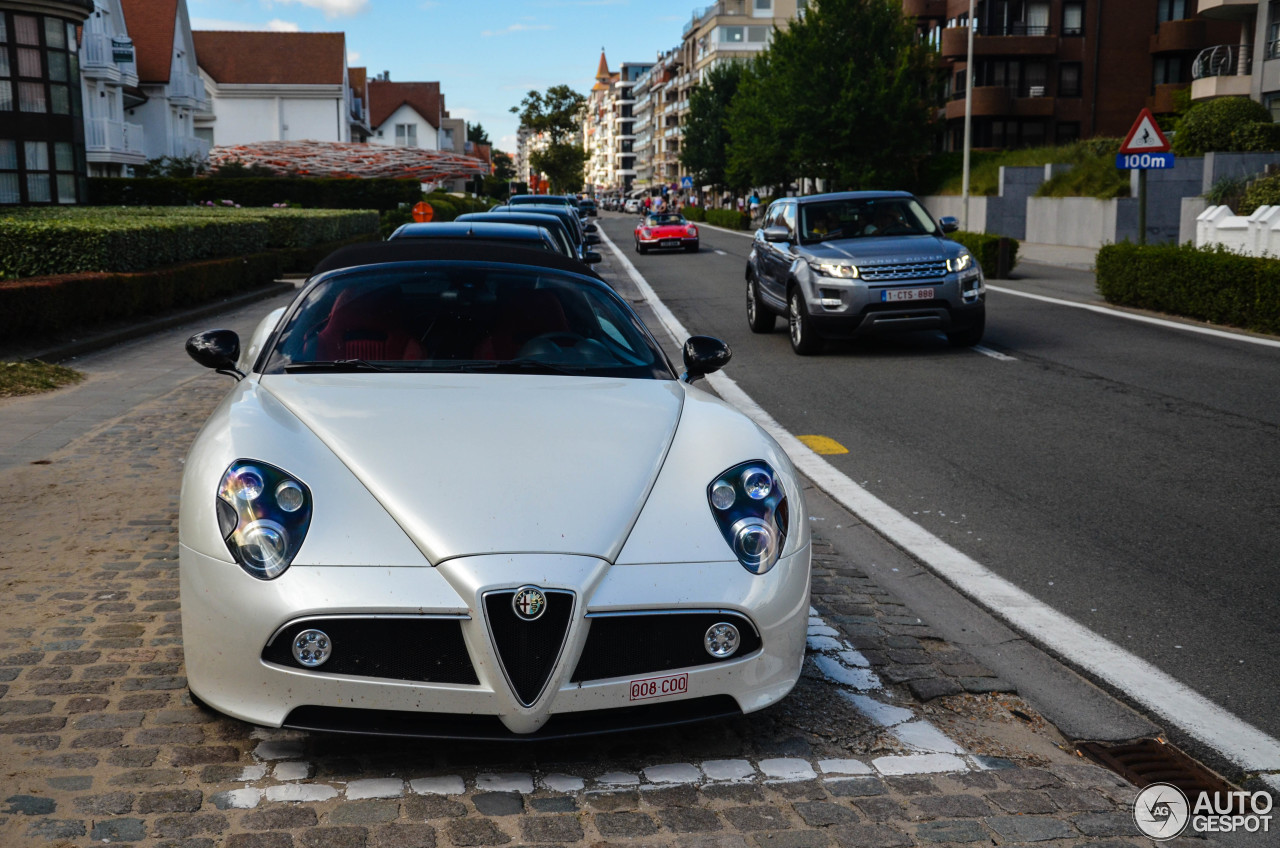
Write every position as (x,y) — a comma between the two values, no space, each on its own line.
(495,463)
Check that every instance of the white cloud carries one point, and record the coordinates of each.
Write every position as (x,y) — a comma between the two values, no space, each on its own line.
(275,25)
(514,28)
(332,8)
(353,57)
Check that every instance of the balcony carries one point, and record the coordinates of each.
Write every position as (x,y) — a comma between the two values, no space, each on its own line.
(1178,37)
(1222,71)
(187,90)
(97,60)
(1228,10)
(996,101)
(106,140)
(1015,40)
(184,146)
(925,8)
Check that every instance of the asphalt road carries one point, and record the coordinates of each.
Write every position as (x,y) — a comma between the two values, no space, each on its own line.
(1126,474)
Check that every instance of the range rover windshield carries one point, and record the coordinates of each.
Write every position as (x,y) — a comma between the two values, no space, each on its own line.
(874,217)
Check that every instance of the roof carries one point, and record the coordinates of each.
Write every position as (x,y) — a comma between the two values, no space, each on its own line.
(603,74)
(350,159)
(356,79)
(271,58)
(151,25)
(386,97)
(428,250)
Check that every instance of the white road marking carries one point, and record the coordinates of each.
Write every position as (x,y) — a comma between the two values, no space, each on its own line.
(719,251)
(1241,742)
(787,768)
(673,773)
(375,787)
(449,784)
(920,764)
(1143,319)
(301,792)
(994,354)
(506,782)
(734,770)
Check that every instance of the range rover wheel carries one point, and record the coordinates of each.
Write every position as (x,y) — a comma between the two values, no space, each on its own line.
(804,340)
(759,318)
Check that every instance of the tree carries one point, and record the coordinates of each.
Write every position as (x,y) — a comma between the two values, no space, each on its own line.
(557,112)
(477,135)
(706,133)
(860,116)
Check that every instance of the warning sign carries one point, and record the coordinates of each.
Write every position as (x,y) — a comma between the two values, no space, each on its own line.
(1145,137)
(422,212)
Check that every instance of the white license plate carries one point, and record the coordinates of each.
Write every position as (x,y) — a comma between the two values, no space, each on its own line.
(670,243)
(889,295)
(659,687)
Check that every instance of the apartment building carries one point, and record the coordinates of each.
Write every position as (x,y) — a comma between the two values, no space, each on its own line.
(170,91)
(109,84)
(1245,60)
(1052,71)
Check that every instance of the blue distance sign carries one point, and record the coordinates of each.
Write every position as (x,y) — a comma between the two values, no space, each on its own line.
(1144,161)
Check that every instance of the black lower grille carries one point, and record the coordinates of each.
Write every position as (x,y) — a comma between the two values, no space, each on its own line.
(528,650)
(489,727)
(427,650)
(643,643)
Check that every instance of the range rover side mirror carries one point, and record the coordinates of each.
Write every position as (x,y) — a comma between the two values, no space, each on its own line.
(704,355)
(777,233)
(216,349)
(949,224)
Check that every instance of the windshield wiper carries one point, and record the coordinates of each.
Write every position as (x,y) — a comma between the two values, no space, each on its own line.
(516,365)
(342,365)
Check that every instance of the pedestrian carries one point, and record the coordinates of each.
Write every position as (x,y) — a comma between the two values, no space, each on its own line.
(646,204)
(741,205)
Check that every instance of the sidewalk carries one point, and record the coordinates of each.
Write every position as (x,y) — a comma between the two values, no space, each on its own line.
(1063,256)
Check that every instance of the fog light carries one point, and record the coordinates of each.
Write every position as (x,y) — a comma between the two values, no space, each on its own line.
(311,648)
(722,640)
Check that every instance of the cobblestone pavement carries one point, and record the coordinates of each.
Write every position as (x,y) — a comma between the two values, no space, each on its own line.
(892,738)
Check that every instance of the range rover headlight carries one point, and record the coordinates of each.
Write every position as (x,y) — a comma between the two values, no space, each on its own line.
(960,263)
(264,514)
(830,269)
(750,508)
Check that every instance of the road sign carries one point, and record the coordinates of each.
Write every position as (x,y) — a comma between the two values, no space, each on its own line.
(422,212)
(1144,161)
(686,182)
(1145,136)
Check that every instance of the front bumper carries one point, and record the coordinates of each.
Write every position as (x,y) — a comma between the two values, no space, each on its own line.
(841,308)
(668,242)
(228,618)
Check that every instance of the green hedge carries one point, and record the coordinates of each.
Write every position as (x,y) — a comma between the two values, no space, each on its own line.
(695,213)
(68,240)
(986,249)
(40,305)
(730,219)
(310,192)
(1212,285)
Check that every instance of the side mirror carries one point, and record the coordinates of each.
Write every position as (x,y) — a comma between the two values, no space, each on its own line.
(949,224)
(778,233)
(592,238)
(216,349)
(591,228)
(704,355)
(591,257)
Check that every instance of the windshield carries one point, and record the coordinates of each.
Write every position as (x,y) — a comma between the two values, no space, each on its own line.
(465,316)
(663,218)
(864,217)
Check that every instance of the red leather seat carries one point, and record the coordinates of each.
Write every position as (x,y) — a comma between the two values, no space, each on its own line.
(523,314)
(364,325)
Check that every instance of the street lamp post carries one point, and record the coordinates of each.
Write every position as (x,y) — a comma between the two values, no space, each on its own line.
(968,123)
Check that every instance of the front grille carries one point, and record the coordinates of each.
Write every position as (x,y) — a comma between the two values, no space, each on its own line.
(425,650)
(528,650)
(903,271)
(644,643)
(490,728)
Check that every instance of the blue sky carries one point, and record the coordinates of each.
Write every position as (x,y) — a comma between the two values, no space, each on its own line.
(485,53)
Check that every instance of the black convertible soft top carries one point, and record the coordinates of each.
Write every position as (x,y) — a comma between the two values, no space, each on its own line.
(444,250)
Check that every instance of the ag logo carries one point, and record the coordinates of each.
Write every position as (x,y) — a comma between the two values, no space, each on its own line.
(529,603)
(1161,811)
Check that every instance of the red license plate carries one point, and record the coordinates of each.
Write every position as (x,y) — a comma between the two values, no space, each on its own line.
(659,687)
(891,295)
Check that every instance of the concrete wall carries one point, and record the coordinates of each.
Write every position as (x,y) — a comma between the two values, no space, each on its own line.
(942,205)
(1255,235)
(1071,221)
(1165,191)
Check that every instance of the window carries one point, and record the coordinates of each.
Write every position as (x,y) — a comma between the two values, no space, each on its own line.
(1069,79)
(1073,18)
(1273,29)
(406,135)
(758,34)
(1068,131)
(446,138)
(1170,69)
(9,192)
(731,34)
(1272,102)
(763,7)
(1170,10)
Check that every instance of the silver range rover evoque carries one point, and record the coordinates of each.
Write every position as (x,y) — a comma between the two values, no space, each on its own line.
(853,263)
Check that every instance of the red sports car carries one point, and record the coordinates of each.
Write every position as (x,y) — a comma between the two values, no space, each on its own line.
(664,230)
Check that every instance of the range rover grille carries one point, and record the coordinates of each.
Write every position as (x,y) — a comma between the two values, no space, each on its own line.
(934,269)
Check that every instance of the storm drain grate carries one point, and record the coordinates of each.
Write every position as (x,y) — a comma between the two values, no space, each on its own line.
(1151,761)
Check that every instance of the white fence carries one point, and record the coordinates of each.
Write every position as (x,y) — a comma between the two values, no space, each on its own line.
(1252,235)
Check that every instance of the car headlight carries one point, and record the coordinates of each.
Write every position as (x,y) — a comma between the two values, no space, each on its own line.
(692,231)
(960,263)
(750,507)
(646,233)
(264,514)
(828,269)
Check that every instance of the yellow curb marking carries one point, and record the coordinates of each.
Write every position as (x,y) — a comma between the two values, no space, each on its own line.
(824,445)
